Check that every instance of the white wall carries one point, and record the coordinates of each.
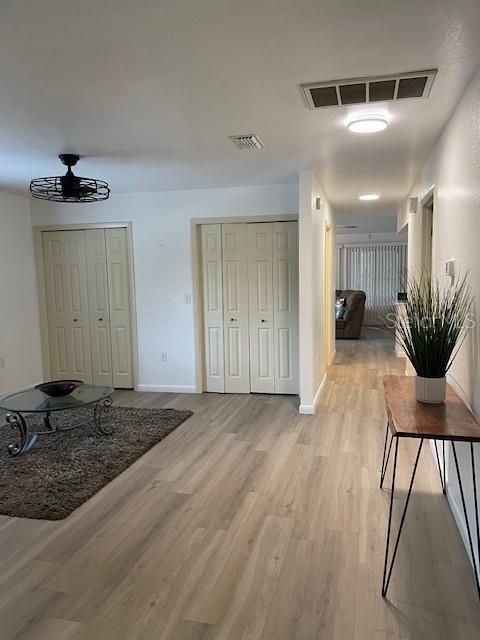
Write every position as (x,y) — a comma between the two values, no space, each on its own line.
(367,219)
(354,238)
(312,288)
(454,168)
(162,257)
(19,329)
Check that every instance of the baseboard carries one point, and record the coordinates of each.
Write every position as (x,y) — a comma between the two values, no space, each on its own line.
(310,409)
(166,388)
(306,409)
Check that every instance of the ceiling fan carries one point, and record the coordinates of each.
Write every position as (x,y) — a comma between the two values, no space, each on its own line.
(69,188)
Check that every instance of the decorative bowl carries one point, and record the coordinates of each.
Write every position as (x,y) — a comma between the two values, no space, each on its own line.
(59,388)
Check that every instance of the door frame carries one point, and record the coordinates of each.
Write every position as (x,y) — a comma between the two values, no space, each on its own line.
(428,204)
(329,298)
(41,284)
(197,289)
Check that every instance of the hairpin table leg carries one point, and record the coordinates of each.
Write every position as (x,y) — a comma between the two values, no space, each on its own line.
(442,476)
(465,514)
(386,456)
(387,571)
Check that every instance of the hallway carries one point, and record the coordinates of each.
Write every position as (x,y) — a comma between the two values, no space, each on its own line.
(249,521)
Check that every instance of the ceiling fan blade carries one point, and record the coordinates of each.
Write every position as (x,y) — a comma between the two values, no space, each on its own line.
(86,190)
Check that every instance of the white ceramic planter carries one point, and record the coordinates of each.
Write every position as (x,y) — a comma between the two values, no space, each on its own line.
(431,390)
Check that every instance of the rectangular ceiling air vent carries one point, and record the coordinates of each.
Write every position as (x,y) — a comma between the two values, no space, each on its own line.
(248,141)
(337,93)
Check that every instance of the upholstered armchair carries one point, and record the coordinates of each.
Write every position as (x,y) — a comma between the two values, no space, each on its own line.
(350,323)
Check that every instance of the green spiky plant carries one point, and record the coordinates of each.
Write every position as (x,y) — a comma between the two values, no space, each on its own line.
(433,328)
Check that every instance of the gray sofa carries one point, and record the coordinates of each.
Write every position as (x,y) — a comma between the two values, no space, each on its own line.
(349,326)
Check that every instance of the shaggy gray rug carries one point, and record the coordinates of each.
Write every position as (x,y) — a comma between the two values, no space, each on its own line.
(63,470)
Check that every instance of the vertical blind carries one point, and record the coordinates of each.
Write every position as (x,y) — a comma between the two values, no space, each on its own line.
(377,269)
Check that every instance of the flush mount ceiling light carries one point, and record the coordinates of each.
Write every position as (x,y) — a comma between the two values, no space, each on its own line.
(369,196)
(69,188)
(368,124)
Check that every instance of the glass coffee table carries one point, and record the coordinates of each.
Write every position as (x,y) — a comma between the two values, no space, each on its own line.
(35,401)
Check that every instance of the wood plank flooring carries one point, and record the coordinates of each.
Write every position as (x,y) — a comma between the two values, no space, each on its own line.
(249,522)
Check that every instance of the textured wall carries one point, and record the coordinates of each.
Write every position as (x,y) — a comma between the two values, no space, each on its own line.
(454,169)
(19,329)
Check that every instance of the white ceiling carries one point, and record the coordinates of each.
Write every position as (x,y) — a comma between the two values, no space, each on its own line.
(149,91)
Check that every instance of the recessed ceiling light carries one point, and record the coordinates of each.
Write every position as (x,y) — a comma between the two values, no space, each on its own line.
(369,196)
(368,124)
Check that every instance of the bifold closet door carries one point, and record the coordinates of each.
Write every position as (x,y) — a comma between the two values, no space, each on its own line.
(235,308)
(119,305)
(261,317)
(285,291)
(99,306)
(250,306)
(88,305)
(213,307)
(67,305)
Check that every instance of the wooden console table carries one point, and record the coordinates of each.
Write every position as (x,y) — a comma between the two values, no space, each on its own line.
(447,422)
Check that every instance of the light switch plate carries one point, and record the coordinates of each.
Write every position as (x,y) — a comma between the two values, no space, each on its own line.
(450,268)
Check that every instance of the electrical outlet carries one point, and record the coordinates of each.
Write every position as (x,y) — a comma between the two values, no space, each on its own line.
(163,356)
(2,363)
(188,298)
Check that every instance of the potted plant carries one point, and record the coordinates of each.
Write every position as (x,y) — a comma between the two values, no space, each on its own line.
(432,330)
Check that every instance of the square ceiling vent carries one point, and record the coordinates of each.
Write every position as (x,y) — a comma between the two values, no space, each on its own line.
(248,141)
(338,93)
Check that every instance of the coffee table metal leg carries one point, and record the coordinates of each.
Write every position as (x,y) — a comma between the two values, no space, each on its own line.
(465,514)
(387,571)
(26,440)
(99,416)
(47,423)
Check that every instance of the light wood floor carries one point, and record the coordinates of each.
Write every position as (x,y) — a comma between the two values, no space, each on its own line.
(248,522)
